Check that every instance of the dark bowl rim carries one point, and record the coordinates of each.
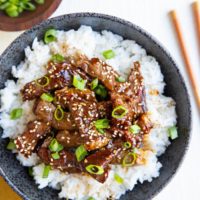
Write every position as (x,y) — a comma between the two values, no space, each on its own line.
(147,35)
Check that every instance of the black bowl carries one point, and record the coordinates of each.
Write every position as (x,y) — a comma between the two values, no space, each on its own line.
(17,176)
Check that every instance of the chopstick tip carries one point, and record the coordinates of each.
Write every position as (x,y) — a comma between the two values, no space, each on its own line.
(172,13)
(195,3)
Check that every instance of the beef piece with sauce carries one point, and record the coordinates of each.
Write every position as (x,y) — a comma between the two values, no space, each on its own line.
(101,159)
(69,139)
(85,114)
(66,95)
(137,86)
(35,131)
(84,111)
(58,76)
(81,110)
(66,163)
(104,109)
(44,111)
(42,85)
(144,123)
(120,125)
(129,95)
(99,69)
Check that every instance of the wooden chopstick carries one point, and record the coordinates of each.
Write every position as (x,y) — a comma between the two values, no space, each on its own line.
(196,13)
(184,52)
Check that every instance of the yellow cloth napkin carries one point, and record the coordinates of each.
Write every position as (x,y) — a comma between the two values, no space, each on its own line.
(6,192)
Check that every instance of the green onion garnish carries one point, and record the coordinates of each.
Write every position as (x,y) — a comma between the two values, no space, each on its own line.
(100,130)
(55,146)
(172,132)
(91,198)
(55,155)
(39,1)
(129,159)
(127,145)
(120,79)
(42,82)
(46,171)
(119,112)
(14,7)
(30,171)
(59,113)
(29,6)
(50,36)
(47,97)
(80,153)
(78,82)
(101,91)
(57,58)
(135,129)
(95,169)
(16,113)
(11,145)
(108,54)
(94,83)
(4,5)
(12,11)
(118,178)
(102,123)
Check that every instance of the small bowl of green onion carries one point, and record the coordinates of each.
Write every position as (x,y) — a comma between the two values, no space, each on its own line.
(18,15)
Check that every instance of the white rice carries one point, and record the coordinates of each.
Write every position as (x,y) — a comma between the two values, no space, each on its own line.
(161,109)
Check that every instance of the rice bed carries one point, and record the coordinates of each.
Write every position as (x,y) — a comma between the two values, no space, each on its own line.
(161,110)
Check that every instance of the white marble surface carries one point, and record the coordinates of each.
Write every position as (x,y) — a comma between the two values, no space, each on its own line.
(152,16)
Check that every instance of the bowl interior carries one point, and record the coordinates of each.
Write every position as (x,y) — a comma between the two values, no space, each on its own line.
(17,175)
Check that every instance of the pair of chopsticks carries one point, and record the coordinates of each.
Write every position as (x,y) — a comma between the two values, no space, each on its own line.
(177,27)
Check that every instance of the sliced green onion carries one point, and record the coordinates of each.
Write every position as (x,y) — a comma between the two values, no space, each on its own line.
(127,145)
(95,169)
(78,82)
(55,146)
(91,198)
(172,132)
(30,171)
(16,113)
(135,129)
(101,91)
(4,5)
(80,153)
(46,171)
(120,79)
(39,1)
(42,82)
(118,178)
(59,113)
(102,123)
(94,83)
(29,6)
(108,54)
(11,145)
(57,58)
(129,159)
(47,97)
(100,130)
(20,9)
(119,112)
(12,10)
(50,36)
(55,155)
